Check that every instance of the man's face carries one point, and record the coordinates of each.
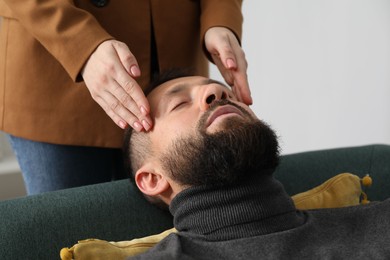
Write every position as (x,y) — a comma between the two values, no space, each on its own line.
(202,134)
(178,105)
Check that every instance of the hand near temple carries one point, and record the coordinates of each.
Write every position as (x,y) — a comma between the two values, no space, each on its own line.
(229,57)
(109,75)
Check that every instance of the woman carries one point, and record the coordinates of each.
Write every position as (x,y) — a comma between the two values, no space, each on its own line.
(57,54)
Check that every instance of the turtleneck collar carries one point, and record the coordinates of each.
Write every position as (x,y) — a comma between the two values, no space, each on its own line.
(255,207)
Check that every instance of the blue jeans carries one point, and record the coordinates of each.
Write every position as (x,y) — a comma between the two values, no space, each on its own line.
(47,167)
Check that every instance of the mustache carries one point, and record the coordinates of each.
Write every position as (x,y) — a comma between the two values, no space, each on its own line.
(214,105)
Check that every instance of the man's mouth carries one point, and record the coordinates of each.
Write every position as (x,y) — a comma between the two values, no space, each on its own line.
(222,111)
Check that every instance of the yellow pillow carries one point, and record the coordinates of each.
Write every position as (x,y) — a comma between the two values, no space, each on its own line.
(95,249)
(340,191)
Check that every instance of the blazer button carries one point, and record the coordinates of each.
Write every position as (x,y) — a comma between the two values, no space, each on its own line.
(99,3)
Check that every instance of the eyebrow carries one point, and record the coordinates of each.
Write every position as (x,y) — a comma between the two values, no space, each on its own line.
(181,87)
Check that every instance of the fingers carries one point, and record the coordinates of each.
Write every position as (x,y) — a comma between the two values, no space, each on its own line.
(241,86)
(226,73)
(119,113)
(229,57)
(127,59)
(128,92)
(241,80)
(108,75)
(125,102)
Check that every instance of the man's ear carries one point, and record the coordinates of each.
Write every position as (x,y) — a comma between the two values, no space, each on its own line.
(151,182)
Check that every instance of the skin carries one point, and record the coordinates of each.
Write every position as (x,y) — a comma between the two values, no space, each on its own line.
(229,57)
(176,107)
(111,71)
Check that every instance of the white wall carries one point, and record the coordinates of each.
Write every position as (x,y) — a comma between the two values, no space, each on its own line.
(319,70)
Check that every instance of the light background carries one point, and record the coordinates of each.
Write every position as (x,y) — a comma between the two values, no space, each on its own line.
(319,70)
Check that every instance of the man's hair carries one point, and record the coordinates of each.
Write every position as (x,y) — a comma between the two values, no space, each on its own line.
(137,146)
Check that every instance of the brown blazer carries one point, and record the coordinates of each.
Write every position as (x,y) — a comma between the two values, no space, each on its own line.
(44,45)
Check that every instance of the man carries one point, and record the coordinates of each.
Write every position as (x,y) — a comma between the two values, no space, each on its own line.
(210,159)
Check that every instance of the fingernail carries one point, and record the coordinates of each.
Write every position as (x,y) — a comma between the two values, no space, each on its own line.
(122,124)
(146,125)
(143,111)
(137,126)
(230,63)
(135,71)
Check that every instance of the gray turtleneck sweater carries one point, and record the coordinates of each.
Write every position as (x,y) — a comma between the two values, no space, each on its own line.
(258,220)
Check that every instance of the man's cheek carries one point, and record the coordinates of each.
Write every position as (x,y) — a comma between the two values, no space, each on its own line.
(245,107)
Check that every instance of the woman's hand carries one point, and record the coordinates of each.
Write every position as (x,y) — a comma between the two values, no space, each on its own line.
(229,57)
(109,75)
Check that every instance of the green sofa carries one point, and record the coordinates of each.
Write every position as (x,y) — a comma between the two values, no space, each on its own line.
(37,227)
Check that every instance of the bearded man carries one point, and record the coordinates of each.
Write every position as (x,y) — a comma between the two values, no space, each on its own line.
(210,160)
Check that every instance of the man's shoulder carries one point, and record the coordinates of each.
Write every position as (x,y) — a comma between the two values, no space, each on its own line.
(168,248)
(360,217)
(366,209)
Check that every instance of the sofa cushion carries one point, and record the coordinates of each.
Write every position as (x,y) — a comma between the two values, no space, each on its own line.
(340,191)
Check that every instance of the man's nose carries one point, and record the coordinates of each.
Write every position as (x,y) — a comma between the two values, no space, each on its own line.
(211,94)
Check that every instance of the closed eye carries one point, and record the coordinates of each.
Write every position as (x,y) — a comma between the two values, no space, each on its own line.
(179,105)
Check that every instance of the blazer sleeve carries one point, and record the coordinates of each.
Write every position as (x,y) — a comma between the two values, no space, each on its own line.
(226,13)
(69,33)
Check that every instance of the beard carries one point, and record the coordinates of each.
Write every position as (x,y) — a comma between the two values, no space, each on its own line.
(245,146)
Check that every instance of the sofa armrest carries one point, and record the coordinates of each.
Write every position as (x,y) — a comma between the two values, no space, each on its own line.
(37,227)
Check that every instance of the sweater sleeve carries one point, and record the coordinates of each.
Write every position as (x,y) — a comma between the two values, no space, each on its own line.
(69,33)
(226,13)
